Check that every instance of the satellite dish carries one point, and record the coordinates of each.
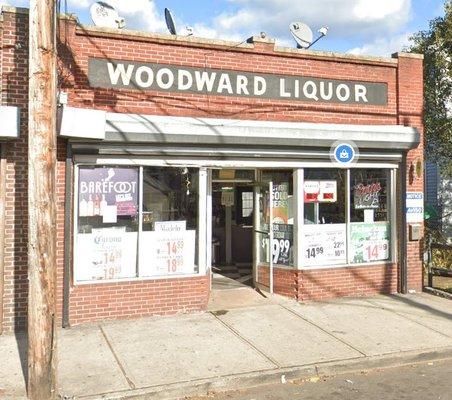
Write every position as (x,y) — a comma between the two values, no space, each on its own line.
(170,22)
(301,33)
(105,15)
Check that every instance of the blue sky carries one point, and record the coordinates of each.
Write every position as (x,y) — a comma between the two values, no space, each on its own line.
(373,27)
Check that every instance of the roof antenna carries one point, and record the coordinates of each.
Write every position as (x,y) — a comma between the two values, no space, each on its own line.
(302,34)
(106,16)
(170,22)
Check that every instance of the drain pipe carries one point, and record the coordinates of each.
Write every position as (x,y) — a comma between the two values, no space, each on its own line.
(2,227)
(404,241)
(67,235)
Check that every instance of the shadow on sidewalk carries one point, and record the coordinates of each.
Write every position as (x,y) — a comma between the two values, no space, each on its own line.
(22,346)
(413,303)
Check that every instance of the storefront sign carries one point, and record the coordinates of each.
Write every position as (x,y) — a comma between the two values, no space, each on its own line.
(414,207)
(369,242)
(280,203)
(100,189)
(108,73)
(167,252)
(367,196)
(320,191)
(282,244)
(108,253)
(324,244)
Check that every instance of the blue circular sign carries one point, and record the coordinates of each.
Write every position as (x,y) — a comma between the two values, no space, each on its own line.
(344,153)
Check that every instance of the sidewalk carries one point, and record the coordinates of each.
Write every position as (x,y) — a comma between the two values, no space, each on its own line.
(168,357)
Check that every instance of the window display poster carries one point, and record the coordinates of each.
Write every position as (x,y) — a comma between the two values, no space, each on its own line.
(280,202)
(167,252)
(320,191)
(282,244)
(367,196)
(108,253)
(103,187)
(369,242)
(324,244)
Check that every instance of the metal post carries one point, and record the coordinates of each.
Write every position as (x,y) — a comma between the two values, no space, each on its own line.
(270,234)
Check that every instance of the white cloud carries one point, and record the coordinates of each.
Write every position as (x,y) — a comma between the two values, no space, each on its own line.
(350,18)
(379,23)
(139,14)
(383,46)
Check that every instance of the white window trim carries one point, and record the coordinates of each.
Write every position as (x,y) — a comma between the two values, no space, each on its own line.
(298,236)
(202,231)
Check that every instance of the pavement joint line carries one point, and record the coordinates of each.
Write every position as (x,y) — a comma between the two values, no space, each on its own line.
(382,307)
(245,340)
(325,331)
(121,367)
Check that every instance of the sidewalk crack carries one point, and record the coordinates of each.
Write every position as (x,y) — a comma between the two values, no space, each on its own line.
(129,381)
(411,319)
(325,331)
(243,339)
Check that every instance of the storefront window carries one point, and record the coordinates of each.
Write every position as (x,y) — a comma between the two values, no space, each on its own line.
(170,221)
(107,228)
(112,243)
(325,230)
(370,227)
(283,221)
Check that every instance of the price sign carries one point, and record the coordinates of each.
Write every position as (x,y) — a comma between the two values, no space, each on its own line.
(324,244)
(369,241)
(167,253)
(104,254)
(282,243)
(376,250)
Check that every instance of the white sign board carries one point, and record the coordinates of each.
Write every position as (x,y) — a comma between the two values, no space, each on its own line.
(414,207)
(324,244)
(167,253)
(105,254)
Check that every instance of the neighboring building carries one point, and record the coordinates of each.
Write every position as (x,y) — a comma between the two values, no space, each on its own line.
(438,199)
(169,148)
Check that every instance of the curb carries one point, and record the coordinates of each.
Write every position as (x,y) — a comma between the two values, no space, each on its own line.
(207,386)
(437,292)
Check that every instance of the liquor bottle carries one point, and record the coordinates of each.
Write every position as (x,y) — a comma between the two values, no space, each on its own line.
(83,208)
(96,205)
(90,208)
(103,204)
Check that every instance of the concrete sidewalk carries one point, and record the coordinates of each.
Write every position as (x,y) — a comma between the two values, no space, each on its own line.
(168,357)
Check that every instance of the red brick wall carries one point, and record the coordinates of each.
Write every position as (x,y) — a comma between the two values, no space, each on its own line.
(138,298)
(285,280)
(89,302)
(366,280)
(320,284)
(14,92)
(410,113)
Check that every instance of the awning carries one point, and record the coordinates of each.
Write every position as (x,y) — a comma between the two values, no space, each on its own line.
(212,134)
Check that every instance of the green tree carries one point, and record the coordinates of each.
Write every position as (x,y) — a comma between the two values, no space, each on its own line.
(436,46)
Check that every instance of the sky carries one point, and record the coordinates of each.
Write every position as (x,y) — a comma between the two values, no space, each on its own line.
(362,27)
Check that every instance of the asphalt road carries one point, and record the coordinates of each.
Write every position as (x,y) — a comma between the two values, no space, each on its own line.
(425,381)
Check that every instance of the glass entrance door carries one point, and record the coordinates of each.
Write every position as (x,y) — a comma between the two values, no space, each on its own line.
(263,237)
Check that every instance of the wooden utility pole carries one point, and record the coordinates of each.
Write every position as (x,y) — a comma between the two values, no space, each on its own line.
(42,201)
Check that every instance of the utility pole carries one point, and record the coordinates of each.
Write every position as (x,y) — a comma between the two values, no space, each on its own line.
(42,201)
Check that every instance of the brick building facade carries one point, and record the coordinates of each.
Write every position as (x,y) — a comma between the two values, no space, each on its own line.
(133,125)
